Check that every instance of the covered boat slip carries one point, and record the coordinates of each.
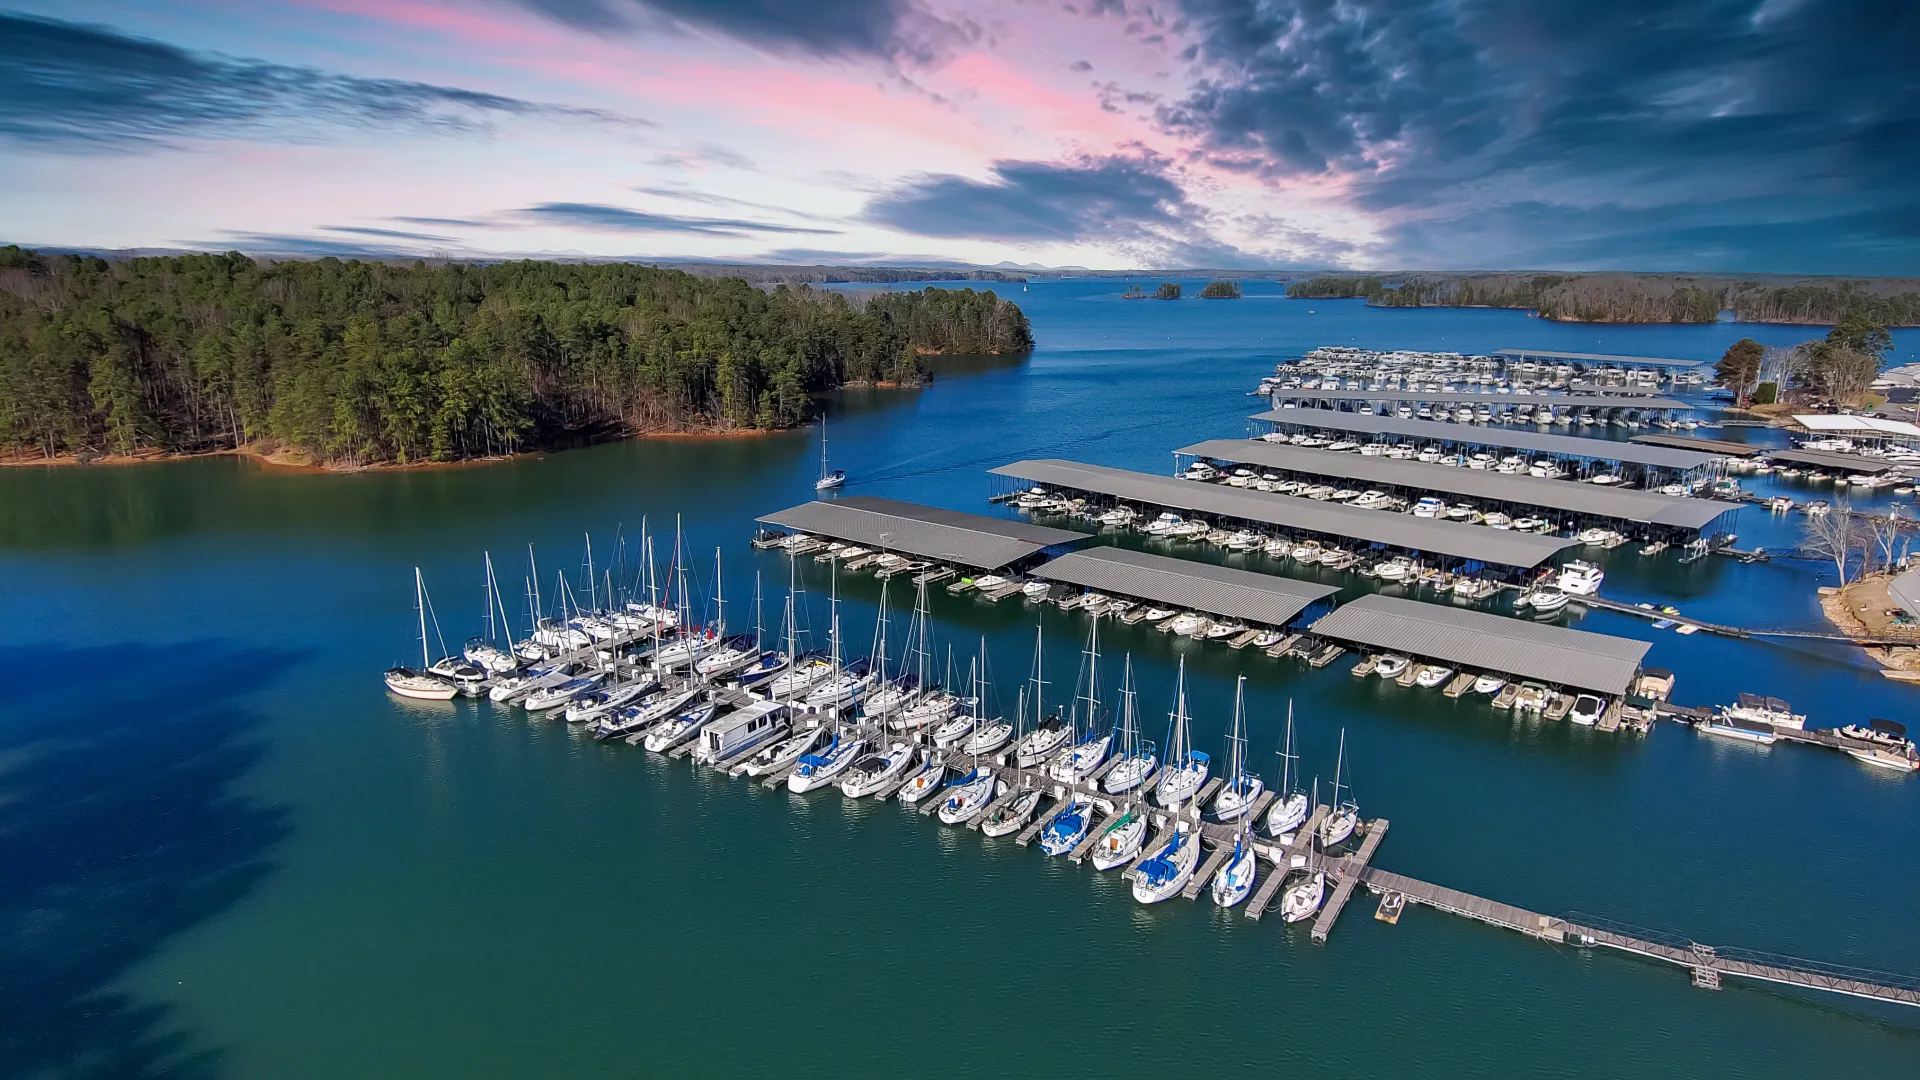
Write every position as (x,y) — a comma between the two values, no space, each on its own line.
(975,541)
(1833,459)
(1611,504)
(1563,404)
(1705,446)
(1480,641)
(1686,466)
(1185,584)
(1599,360)
(1473,545)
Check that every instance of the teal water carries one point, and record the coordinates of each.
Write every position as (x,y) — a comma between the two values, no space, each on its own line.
(225,851)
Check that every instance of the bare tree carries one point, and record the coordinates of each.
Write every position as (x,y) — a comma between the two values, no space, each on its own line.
(1839,536)
(1890,533)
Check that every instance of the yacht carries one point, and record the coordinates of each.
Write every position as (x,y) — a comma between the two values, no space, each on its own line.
(1289,808)
(1163,874)
(1580,579)
(1120,839)
(1242,789)
(1186,768)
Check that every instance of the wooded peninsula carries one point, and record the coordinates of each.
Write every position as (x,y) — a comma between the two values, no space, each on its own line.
(1634,298)
(358,363)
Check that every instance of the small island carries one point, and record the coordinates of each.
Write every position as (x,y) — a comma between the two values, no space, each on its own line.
(1168,290)
(1221,290)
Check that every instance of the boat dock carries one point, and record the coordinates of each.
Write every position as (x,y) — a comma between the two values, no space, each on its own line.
(1350,874)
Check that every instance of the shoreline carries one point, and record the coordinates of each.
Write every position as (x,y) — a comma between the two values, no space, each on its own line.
(277,459)
(1900,663)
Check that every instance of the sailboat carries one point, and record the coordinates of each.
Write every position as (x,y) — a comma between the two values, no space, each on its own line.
(848,683)
(1139,760)
(1048,733)
(786,752)
(1290,808)
(1167,870)
(1120,839)
(1078,760)
(1345,815)
(1012,814)
(1300,901)
(929,778)
(418,682)
(1233,882)
(828,479)
(1068,827)
(967,797)
(877,770)
(988,735)
(483,652)
(890,695)
(1242,788)
(1186,769)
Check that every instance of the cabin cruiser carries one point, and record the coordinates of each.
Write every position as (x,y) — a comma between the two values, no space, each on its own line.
(1202,471)
(1162,525)
(1429,507)
(1587,710)
(1497,520)
(1489,683)
(1580,578)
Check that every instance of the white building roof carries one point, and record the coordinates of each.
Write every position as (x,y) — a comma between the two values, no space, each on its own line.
(1878,425)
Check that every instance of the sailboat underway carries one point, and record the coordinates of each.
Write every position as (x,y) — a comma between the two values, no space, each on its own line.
(828,479)
(418,682)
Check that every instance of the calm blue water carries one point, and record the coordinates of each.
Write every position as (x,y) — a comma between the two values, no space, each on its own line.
(226,851)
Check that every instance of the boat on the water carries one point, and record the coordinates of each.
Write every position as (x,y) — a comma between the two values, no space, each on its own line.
(967,797)
(877,769)
(1301,901)
(1186,769)
(1344,816)
(1243,788)
(820,769)
(420,683)
(785,752)
(1068,827)
(1120,839)
(1012,814)
(1289,808)
(1138,760)
(1164,873)
(930,777)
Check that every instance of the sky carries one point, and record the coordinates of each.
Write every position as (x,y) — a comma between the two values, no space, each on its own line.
(1748,136)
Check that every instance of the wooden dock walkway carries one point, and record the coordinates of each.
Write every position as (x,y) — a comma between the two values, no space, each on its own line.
(1350,873)
(1207,869)
(1283,862)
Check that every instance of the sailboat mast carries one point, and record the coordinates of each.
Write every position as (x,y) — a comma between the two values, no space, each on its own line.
(593,599)
(759,617)
(420,605)
(539,610)
(719,598)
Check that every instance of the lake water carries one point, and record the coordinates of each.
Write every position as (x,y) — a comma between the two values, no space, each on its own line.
(226,851)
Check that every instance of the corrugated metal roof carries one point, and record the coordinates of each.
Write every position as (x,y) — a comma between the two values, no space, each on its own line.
(1597,358)
(1484,435)
(1710,446)
(950,536)
(1881,425)
(1572,401)
(1905,590)
(1487,642)
(1183,583)
(1495,546)
(1828,459)
(1645,507)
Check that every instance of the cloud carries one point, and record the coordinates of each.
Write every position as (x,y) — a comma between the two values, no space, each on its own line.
(707,198)
(1080,65)
(887,29)
(77,86)
(469,223)
(601,217)
(391,234)
(1540,115)
(1130,203)
(303,246)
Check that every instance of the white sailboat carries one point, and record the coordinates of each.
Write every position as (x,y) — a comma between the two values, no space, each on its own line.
(1302,900)
(1345,814)
(929,778)
(1077,760)
(829,479)
(820,769)
(1242,788)
(968,797)
(987,735)
(1167,870)
(1233,882)
(1139,759)
(877,770)
(485,652)
(1120,839)
(786,752)
(418,682)
(1012,814)
(1048,732)
(1186,768)
(1290,807)
(1068,827)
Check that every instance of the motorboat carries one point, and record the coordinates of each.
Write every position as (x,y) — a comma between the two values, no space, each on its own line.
(1068,827)
(1593,536)
(1735,727)
(820,769)
(1163,874)
(1429,507)
(1587,710)
(1012,814)
(741,731)
(1489,683)
(1395,569)
(1881,757)
(1544,599)
(968,797)
(1766,710)
(785,752)
(1303,900)
(1391,665)
(1120,839)
(1432,675)
(1531,697)
(877,770)
(1580,579)
(1159,526)
(1497,520)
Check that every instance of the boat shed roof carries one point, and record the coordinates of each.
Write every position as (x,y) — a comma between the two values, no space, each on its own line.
(1624,504)
(950,536)
(1597,358)
(1184,583)
(1493,546)
(1830,459)
(1488,642)
(1468,397)
(1710,446)
(1480,435)
(1904,588)
(1875,425)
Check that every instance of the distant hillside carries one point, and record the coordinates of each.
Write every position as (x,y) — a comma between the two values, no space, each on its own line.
(1634,298)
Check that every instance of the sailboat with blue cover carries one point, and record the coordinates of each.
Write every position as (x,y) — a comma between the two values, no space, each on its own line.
(1068,827)
(1163,874)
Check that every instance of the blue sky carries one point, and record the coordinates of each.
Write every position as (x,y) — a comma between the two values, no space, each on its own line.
(1766,137)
